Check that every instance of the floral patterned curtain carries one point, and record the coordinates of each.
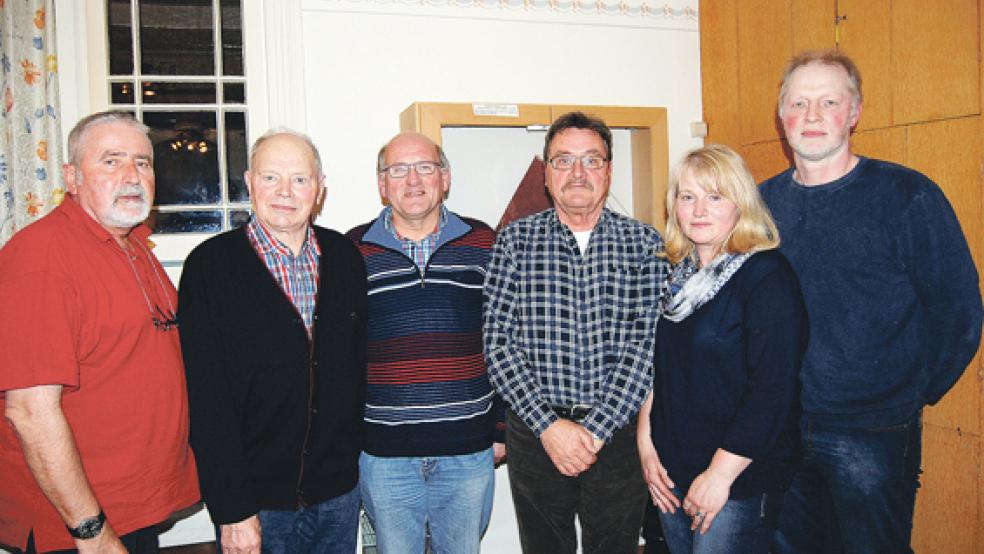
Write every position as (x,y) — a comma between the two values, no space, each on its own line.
(30,133)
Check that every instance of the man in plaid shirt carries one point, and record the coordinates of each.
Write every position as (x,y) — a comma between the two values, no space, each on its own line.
(571,307)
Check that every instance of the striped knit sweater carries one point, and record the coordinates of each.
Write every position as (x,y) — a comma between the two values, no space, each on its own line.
(428,390)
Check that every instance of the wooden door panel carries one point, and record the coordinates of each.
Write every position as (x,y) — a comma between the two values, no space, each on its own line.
(947,503)
(719,71)
(935,60)
(866,36)
(948,153)
(764,46)
(885,144)
(813,24)
(765,159)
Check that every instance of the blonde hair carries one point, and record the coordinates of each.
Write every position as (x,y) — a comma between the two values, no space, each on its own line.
(719,169)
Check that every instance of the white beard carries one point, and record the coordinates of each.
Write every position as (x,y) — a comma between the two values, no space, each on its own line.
(131,215)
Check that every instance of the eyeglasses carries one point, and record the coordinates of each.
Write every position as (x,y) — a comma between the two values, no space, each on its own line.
(166,321)
(401,170)
(567,161)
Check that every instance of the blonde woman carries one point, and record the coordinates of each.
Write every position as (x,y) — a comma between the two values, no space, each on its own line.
(718,437)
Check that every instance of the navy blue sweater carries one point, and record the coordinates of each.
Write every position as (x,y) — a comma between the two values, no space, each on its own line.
(726,377)
(891,289)
(428,389)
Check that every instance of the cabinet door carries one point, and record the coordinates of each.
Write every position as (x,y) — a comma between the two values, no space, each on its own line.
(719,71)
(764,45)
(813,24)
(866,36)
(934,60)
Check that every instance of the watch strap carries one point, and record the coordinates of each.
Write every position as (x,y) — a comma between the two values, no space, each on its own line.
(89,527)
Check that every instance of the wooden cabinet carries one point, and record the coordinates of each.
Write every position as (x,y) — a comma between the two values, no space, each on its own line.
(919,60)
(934,60)
(765,42)
(866,35)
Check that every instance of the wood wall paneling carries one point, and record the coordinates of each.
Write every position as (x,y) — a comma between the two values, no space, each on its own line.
(945,153)
(719,84)
(949,154)
(765,159)
(866,36)
(885,144)
(935,48)
(764,46)
(813,24)
(947,503)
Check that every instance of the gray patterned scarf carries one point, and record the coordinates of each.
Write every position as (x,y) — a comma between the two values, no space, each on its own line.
(690,289)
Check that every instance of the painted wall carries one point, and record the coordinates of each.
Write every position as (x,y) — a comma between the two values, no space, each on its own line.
(366,61)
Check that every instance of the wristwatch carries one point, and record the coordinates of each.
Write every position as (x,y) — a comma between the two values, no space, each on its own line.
(89,528)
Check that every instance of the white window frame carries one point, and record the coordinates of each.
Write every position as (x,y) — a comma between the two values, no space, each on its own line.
(273,65)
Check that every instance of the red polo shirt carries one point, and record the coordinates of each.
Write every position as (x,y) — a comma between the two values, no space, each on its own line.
(72,313)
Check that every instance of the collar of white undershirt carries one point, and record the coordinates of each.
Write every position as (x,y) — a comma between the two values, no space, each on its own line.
(582,238)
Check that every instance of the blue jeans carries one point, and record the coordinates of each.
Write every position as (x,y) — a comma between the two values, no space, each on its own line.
(855,491)
(451,496)
(742,526)
(326,528)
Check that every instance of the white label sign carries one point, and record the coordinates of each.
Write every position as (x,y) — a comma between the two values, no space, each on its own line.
(496,110)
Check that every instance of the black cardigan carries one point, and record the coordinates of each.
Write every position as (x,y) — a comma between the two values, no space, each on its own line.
(727,377)
(276,419)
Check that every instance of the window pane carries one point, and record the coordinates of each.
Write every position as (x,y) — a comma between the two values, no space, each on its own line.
(176,37)
(120,37)
(238,218)
(204,221)
(122,93)
(186,160)
(235,93)
(179,93)
(232,37)
(235,131)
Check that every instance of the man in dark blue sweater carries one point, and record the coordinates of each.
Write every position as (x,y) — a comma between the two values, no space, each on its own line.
(427,465)
(895,315)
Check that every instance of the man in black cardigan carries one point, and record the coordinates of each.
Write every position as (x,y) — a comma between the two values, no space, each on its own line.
(273,331)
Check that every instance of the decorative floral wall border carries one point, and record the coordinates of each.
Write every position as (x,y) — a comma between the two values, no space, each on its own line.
(680,13)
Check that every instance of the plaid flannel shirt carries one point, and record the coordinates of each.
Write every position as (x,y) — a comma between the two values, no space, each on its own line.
(419,251)
(570,329)
(296,275)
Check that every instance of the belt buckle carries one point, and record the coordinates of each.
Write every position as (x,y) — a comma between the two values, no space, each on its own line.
(574,409)
(571,412)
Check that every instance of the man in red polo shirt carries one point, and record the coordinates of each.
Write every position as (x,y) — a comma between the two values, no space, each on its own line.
(92,386)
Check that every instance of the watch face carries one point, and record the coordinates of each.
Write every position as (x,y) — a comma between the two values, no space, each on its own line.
(89,528)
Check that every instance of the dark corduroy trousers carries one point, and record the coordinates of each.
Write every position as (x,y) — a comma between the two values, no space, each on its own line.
(609,498)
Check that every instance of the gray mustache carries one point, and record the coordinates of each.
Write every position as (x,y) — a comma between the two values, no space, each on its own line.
(130,190)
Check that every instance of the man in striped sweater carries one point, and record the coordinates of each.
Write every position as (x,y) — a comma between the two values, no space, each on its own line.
(431,419)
